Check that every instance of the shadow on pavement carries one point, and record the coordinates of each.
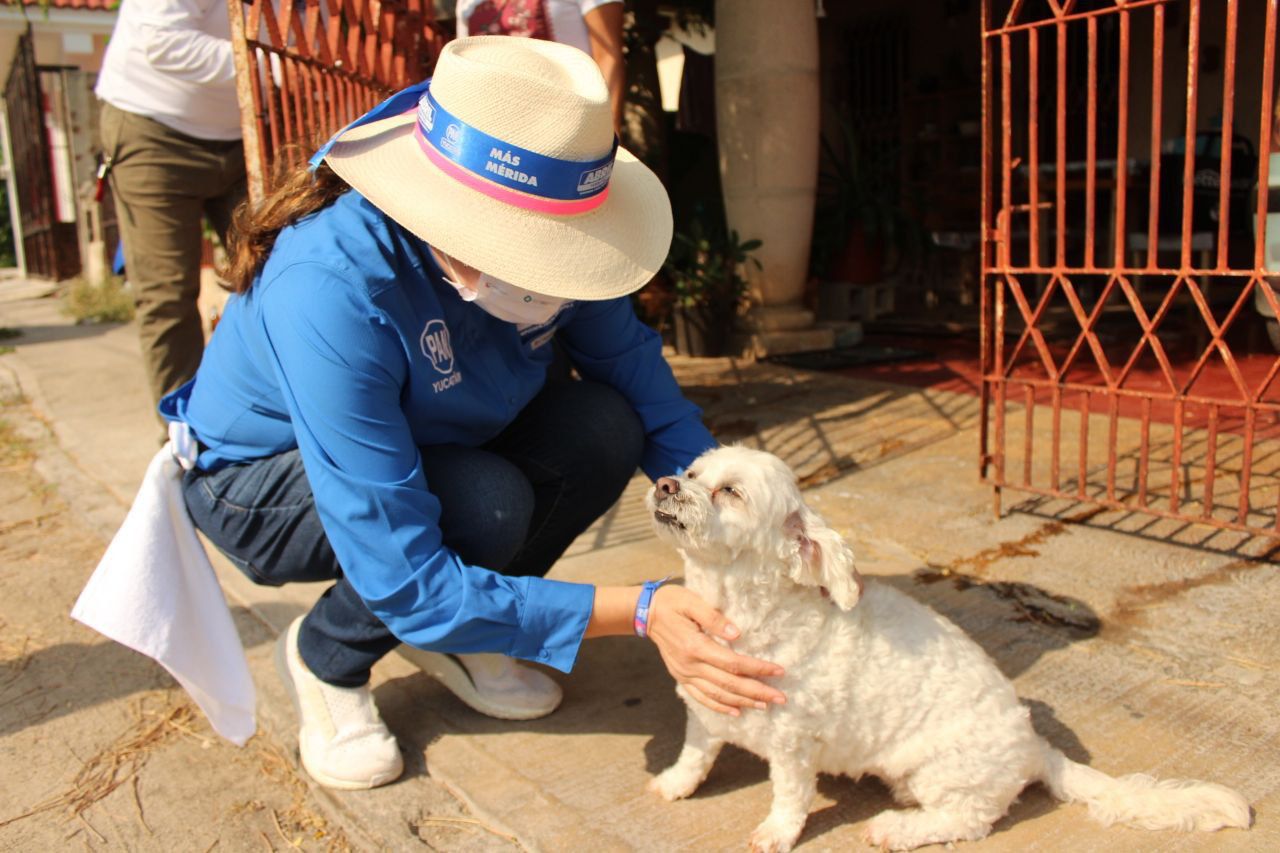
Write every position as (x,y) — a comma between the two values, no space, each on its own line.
(58,333)
(64,678)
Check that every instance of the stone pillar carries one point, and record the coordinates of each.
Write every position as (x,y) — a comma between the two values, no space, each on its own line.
(767,121)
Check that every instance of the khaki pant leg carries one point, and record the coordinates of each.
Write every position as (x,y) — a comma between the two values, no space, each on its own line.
(235,188)
(219,210)
(160,179)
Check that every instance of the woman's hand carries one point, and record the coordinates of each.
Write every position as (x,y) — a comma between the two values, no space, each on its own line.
(682,625)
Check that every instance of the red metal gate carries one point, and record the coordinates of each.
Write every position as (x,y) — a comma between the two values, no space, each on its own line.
(305,68)
(1129,336)
(49,243)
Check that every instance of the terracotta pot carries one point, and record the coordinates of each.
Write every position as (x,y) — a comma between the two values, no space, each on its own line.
(698,337)
(861,260)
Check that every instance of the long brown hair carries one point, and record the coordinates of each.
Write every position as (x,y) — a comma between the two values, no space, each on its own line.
(254,228)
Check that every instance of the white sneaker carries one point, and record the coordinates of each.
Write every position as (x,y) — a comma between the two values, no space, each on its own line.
(494,685)
(342,740)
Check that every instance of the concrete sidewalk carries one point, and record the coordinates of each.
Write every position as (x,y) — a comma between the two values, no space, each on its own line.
(1139,646)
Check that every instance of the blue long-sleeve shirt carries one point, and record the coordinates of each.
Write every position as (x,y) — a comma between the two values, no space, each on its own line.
(351,347)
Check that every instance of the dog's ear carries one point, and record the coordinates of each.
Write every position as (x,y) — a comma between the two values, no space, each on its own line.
(818,556)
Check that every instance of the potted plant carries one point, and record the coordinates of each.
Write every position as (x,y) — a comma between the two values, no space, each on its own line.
(708,286)
(858,218)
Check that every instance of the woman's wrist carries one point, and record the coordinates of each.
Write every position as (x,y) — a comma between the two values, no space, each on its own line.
(613,611)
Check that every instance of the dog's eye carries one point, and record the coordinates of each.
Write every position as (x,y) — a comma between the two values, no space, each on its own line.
(731,491)
(692,475)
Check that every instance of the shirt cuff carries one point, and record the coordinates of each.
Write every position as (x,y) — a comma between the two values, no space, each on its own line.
(555,617)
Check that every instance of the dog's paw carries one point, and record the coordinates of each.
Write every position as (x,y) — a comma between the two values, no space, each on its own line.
(885,831)
(906,829)
(674,784)
(775,836)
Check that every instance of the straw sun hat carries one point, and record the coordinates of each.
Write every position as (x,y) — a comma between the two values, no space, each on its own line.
(509,165)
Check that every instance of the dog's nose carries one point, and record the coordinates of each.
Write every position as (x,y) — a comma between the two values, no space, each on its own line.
(667,485)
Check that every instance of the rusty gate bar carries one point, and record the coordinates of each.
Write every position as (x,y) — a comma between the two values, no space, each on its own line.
(988,236)
(1147,310)
(305,68)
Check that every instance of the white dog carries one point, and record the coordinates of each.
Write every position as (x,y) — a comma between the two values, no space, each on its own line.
(876,683)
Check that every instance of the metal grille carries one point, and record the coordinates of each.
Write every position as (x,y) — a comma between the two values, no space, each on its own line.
(305,68)
(49,244)
(1127,313)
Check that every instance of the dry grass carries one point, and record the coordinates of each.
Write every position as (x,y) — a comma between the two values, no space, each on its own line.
(297,826)
(118,762)
(108,302)
(17,455)
(464,823)
(14,449)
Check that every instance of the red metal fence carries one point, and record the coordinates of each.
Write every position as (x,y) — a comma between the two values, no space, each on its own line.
(1129,336)
(307,67)
(49,243)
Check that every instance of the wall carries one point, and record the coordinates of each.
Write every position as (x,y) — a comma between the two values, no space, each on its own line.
(78,49)
(61,35)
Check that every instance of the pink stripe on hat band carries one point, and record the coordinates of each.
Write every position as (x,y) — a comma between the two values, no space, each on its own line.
(555,207)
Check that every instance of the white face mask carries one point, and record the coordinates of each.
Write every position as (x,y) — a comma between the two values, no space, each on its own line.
(467,294)
(514,304)
(505,301)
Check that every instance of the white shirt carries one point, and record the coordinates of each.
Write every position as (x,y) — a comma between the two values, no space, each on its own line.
(171,60)
(554,20)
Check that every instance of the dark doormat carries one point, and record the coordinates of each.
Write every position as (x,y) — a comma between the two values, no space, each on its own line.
(842,357)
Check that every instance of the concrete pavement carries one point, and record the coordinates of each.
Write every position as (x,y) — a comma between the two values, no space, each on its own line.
(1139,646)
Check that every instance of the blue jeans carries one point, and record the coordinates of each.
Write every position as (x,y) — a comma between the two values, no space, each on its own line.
(513,505)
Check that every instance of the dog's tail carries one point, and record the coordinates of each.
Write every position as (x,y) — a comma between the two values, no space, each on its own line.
(1142,801)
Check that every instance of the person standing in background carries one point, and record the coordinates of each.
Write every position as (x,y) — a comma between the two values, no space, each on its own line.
(172,150)
(593,26)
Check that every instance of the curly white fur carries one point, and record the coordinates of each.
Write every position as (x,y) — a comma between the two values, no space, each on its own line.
(876,682)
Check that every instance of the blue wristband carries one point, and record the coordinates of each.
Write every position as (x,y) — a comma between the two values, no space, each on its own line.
(642,605)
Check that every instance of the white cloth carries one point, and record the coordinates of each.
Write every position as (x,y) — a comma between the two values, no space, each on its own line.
(564,17)
(156,592)
(171,60)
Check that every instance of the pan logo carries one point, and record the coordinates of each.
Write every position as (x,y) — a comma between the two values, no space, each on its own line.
(452,137)
(426,114)
(436,346)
